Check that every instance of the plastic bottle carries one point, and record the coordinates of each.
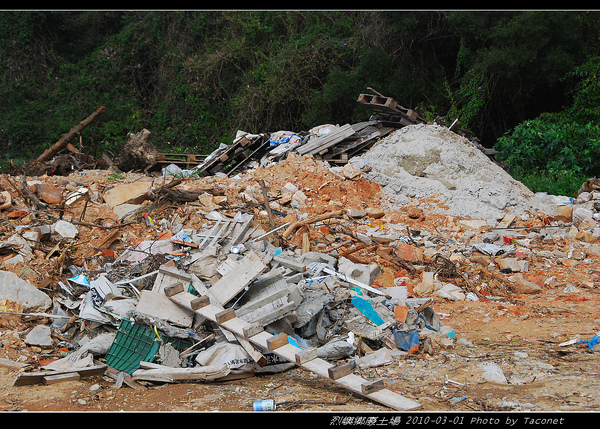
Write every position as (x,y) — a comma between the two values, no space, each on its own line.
(264,405)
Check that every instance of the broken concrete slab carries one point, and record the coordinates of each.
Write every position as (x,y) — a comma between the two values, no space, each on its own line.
(158,305)
(39,336)
(126,210)
(15,289)
(362,273)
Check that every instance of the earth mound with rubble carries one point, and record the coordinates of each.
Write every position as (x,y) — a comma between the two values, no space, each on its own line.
(374,280)
(431,161)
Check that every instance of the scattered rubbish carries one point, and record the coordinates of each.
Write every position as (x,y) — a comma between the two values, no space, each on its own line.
(281,249)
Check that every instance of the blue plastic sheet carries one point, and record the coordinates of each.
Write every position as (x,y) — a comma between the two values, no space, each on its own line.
(407,341)
(366,308)
(592,343)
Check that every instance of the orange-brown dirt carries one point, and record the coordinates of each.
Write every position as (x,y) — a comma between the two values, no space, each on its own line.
(522,334)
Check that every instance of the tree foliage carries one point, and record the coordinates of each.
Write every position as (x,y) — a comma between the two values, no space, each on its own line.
(193,78)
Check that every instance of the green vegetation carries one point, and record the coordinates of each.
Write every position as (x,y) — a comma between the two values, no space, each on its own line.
(557,152)
(524,81)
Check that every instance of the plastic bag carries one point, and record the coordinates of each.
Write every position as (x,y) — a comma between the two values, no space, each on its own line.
(592,343)
(407,340)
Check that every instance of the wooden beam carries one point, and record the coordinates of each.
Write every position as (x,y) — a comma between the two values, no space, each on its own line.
(26,378)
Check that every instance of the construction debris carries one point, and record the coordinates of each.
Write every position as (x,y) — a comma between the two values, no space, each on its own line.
(326,250)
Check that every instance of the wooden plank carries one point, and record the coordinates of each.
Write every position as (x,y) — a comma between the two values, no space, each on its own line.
(168,277)
(277,341)
(306,355)
(232,283)
(339,371)
(27,378)
(59,378)
(316,365)
(253,329)
(224,316)
(372,386)
(174,289)
(318,144)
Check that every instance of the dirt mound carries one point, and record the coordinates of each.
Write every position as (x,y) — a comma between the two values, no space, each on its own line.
(424,161)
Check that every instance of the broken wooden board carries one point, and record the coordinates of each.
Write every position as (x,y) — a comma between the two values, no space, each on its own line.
(277,345)
(322,143)
(60,378)
(168,276)
(225,233)
(166,374)
(27,378)
(232,283)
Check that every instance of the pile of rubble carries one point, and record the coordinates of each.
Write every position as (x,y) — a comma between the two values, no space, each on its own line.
(294,260)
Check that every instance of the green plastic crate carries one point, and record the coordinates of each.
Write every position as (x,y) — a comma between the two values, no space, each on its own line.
(132,344)
(137,343)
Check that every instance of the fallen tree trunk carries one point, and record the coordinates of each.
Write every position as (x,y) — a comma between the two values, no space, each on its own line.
(66,138)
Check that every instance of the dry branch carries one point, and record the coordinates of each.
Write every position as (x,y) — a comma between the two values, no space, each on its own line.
(62,142)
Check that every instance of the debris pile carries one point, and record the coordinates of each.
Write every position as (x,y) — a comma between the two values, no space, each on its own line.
(303,257)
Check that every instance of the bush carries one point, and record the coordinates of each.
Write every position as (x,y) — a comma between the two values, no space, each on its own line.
(551,156)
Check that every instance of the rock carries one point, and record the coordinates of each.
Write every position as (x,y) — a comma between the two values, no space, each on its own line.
(492,372)
(335,350)
(415,213)
(16,289)
(583,197)
(18,259)
(355,213)
(350,171)
(65,229)
(5,200)
(299,199)
(375,212)
(124,210)
(39,336)
(126,193)
(582,219)
(576,252)
(563,213)
(48,194)
(520,285)
(410,253)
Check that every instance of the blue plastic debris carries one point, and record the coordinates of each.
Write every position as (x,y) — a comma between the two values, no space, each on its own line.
(366,308)
(592,343)
(407,341)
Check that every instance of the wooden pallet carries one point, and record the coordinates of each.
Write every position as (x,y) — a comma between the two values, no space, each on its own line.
(279,345)
(224,232)
(394,112)
(320,144)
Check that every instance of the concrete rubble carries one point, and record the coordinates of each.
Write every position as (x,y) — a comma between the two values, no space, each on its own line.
(345,258)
